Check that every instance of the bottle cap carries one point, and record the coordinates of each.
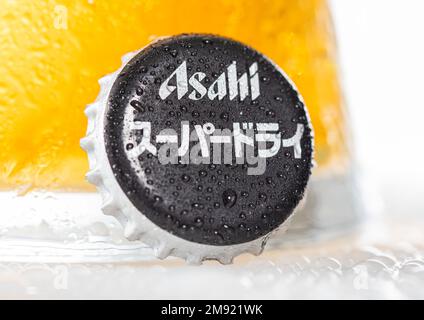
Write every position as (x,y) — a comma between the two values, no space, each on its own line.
(200,146)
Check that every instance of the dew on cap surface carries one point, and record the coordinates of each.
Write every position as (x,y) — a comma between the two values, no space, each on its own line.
(229,189)
(229,198)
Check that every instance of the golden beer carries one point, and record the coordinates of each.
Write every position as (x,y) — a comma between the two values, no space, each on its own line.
(53,52)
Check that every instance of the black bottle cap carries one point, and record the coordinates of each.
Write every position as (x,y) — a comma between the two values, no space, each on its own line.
(208,139)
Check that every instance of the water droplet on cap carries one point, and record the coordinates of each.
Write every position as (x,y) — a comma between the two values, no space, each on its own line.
(229,198)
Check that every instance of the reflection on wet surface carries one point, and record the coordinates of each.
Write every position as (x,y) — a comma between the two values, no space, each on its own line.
(383,260)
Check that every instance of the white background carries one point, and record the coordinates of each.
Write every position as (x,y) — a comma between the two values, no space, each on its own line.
(381,46)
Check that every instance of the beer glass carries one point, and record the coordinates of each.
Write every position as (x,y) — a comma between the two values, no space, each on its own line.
(52,55)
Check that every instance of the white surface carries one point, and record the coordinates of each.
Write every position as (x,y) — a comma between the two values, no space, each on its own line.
(378,264)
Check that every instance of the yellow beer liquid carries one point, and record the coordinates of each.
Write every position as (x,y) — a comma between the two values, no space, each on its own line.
(53,52)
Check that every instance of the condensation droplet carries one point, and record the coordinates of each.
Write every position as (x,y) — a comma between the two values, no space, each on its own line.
(229,198)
